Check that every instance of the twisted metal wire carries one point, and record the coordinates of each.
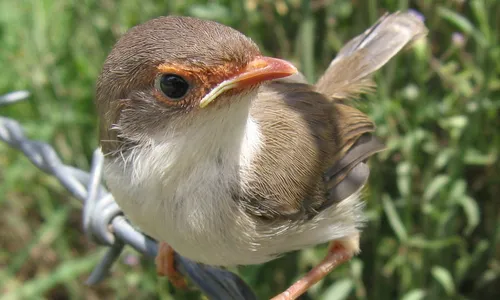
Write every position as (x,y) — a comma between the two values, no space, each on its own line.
(103,220)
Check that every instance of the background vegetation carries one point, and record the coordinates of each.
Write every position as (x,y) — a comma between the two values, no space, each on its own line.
(433,199)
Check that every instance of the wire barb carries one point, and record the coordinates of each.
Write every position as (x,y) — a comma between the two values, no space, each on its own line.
(103,220)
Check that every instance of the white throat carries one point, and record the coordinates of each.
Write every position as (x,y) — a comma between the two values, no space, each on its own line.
(179,187)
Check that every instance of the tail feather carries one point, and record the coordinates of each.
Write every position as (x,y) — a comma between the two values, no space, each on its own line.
(349,73)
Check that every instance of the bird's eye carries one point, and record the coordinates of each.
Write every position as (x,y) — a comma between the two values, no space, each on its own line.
(173,86)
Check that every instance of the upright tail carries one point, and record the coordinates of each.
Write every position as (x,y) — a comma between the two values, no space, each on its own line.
(348,76)
(349,73)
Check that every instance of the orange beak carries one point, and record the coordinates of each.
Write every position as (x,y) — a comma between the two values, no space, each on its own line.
(258,70)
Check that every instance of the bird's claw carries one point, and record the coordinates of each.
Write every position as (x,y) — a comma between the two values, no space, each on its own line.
(166,266)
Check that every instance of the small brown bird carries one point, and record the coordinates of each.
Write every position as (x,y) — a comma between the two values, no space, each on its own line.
(210,149)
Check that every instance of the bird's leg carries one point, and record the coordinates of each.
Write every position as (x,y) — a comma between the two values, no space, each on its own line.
(165,266)
(338,253)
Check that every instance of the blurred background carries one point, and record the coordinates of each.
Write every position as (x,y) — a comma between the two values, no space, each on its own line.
(433,197)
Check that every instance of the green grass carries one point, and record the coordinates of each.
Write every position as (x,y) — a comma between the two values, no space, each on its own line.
(433,199)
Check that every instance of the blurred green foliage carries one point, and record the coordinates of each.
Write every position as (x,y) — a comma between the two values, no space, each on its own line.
(433,206)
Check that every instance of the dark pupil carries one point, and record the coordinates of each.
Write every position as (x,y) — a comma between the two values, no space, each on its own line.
(173,86)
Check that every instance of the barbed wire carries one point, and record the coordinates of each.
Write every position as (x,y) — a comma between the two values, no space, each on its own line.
(103,220)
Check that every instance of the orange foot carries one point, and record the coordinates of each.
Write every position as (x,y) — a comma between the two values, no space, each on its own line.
(338,253)
(165,266)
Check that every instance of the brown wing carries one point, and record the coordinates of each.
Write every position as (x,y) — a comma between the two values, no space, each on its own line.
(315,143)
(304,136)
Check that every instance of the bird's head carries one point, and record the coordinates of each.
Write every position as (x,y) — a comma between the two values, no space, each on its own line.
(170,71)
